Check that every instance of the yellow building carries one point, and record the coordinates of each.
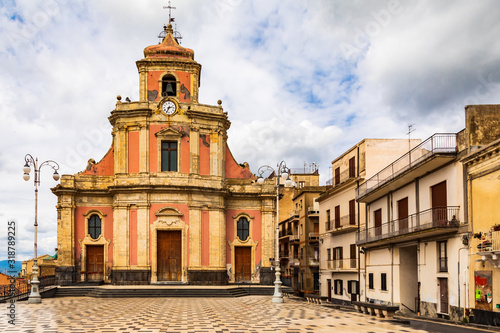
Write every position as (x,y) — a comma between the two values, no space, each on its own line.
(483,191)
(168,203)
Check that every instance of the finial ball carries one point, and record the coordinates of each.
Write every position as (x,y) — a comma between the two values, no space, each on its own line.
(219,102)
(119,97)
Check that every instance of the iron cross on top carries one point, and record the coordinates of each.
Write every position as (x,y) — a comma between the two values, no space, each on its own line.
(170,19)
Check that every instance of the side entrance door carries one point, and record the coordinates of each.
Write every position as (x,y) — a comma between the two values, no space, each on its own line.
(443,292)
(169,255)
(243,267)
(439,203)
(95,263)
(329,286)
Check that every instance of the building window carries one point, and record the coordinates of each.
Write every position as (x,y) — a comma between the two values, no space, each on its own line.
(370,281)
(169,156)
(337,290)
(352,167)
(302,184)
(328,223)
(168,86)
(443,257)
(337,176)
(243,229)
(94,226)
(383,281)
(329,254)
(353,287)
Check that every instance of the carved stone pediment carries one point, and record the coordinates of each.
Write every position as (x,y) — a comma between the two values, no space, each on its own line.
(168,212)
(169,133)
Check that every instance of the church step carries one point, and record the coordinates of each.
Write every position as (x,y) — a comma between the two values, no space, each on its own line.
(162,292)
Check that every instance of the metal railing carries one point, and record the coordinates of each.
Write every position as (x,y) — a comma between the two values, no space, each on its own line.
(313,262)
(440,217)
(294,260)
(23,289)
(488,241)
(314,236)
(346,220)
(312,210)
(342,264)
(437,144)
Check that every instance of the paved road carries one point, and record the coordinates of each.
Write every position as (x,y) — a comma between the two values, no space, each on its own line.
(244,314)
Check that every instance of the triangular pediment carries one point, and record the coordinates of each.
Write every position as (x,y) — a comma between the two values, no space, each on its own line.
(168,132)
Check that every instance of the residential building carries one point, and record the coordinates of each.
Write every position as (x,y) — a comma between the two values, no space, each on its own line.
(340,259)
(482,166)
(167,203)
(46,267)
(299,241)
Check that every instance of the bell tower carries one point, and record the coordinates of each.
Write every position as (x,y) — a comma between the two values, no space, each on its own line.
(168,69)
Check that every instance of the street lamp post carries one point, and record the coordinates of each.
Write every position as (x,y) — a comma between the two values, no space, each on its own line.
(282,172)
(34,296)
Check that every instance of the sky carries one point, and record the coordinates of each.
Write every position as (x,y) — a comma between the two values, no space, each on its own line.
(302,81)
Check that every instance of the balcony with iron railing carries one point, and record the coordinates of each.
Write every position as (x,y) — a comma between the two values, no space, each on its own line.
(434,152)
(344,224)
(284,255)
(294,260)
(487,245)
(313,237)
(313,261)
(342,264)
(430,222)
(312,211)
(295,238)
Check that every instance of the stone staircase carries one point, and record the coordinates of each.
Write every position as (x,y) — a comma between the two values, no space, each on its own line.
(152,291)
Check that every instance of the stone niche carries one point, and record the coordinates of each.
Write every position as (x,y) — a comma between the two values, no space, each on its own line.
(207,277)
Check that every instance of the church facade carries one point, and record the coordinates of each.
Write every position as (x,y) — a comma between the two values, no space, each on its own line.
(167,203)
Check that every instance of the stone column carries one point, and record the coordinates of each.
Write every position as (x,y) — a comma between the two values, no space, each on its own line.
(143,235)
(143,149)
(120,237)
(194,236)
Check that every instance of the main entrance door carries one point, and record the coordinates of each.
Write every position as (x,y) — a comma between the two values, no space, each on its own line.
(95,263)
(169,255)
(243,267)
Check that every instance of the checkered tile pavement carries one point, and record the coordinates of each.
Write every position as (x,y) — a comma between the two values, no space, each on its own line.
(197,315)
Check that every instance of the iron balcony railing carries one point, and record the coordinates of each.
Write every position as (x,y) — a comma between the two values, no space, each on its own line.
(312,211)
(342,264)
(314,237)
(437,144)
(440,217)
(313,262)
(347,220)
(487,241)
(294,260)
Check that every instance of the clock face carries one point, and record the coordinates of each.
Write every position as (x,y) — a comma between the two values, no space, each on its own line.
(169,107)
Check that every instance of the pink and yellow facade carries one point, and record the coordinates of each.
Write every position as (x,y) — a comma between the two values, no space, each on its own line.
(168,202)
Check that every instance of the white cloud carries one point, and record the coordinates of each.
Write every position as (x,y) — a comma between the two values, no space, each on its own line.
(280,68)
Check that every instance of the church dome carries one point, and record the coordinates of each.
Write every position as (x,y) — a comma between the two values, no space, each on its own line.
(169,47)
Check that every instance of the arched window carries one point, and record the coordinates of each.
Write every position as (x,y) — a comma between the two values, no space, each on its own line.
(94,226)
(243,229)
(168,86)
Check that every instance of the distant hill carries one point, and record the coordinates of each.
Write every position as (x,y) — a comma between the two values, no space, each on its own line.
(4,267)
